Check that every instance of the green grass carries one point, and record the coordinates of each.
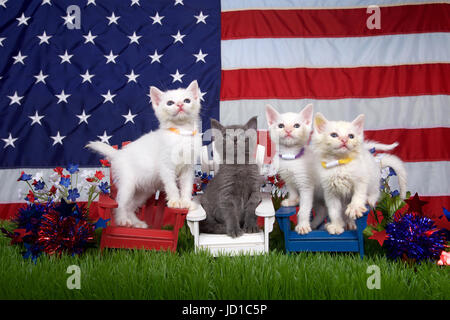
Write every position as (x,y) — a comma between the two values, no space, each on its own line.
(140,274)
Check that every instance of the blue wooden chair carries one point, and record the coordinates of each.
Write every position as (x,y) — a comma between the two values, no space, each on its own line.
(321,240)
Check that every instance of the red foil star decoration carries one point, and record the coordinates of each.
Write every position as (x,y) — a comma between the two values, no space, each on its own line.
(380,236)
(415,204)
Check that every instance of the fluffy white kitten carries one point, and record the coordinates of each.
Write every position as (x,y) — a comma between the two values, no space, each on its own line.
(348,172)
(163,158)
(294,162)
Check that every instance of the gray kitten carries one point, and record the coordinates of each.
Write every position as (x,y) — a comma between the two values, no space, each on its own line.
(232,196)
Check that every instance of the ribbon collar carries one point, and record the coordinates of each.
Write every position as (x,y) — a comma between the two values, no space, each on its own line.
(335,163)
(292,156)
(183,132)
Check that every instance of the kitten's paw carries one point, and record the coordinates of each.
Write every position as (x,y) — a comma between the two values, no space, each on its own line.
(303,228)
(235,233)
(174,203)
(289,202)
(350,225)
(140,224)
(334,228)
(124,222)
(354,211)
(251,228)
(185,203)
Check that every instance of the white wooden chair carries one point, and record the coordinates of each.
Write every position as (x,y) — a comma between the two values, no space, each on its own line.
(248,243)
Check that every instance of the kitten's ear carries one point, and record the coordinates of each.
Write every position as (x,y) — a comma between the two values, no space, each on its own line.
(252,123)
(320,122)
(272,115)
(156,96)
(307,114)
(358,123)
(193,88)
(216,125)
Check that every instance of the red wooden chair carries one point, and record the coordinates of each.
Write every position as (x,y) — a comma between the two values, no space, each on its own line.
(164,223)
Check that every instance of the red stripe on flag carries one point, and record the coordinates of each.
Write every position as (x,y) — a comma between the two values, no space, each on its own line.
(335,83)
(416,145)
(334,22)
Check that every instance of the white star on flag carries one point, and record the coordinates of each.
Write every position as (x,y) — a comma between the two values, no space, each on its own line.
(9,141)
(89,38)
(134,38)
(132,76)
(178,37)
(19,58)
(104,138)
(87,77)
(201,94)
(1,41)
(40,77)
(23,20)
(129,117)
(66,57)
(91,2)
(156,57)
(46,2)
(133,2)
(36,118)
(111,57)
(179,2)
(113,19)
(15,98)
(57,139)
(68,19)
(3,3)
(83,117)
(201,18)
(177,76)
(62,97)
(108,97)
(200,56)
(157,18)
(44,38)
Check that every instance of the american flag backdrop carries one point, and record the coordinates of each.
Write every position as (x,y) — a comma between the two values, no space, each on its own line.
(62,85)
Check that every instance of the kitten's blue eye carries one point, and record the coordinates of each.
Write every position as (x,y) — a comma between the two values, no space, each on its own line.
(281,126)
(187,100)
(297,125)
(334,134)
(170,102)
(351,135)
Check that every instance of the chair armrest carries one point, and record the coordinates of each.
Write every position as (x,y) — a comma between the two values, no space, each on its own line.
(197,213)
(265,208)
(285,212)
(105,201)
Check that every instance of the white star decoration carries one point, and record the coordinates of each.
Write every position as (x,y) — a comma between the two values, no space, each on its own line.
(62,97)
(129,117)
(134,38)
(178,37)
(177,77)
(66,57)
(68,19)
(201,18)
(132,76)
(57,139)
(40,77)
(23,20)
(111,57)
(87,77)
(200,56)
(9,141)
(156,57)
(108,97)
(1,41)
(201,94)
(44,38)
(15,98)
(46,2)
(91,2)
(112,19)
(179,2)
(3,3)
(83,117)
(105,138)
(133,2)
(89,38)
(157,18)
(19,58)
(36,118)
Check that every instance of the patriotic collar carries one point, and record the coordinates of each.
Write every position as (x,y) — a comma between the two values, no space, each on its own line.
(335,163)
(183,132)
(292,156)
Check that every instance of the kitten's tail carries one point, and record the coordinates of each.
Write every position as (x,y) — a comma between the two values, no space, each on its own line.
(389,160)
(379,146)
(102,148)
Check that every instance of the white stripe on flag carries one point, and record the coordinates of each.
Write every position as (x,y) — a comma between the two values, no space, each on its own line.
(336,52)
(381,113)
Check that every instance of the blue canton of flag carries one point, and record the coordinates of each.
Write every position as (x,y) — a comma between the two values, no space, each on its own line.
(78,71)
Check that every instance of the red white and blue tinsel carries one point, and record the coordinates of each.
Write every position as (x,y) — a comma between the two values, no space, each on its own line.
(414,237)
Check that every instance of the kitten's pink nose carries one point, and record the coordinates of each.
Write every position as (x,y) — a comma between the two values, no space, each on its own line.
(344,140)
(180,105)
